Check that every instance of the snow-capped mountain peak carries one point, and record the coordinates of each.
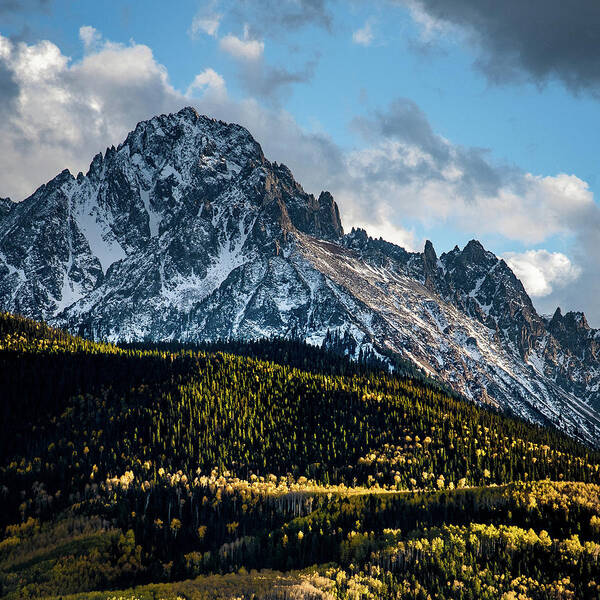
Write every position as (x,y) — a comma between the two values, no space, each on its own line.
(186,231)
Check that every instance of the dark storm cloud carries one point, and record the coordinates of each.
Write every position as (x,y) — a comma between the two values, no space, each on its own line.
(529,39)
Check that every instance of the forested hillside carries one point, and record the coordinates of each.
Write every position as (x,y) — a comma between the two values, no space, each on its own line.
(197,473)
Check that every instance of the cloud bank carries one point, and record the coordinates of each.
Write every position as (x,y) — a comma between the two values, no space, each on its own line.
(541,271)
(422,176)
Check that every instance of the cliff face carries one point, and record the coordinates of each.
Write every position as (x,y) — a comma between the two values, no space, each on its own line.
(186,231)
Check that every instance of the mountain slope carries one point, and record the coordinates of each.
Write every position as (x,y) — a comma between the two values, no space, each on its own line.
(187,232)
(126,467)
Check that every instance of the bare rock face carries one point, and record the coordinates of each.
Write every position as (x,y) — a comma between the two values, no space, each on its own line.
(186,231)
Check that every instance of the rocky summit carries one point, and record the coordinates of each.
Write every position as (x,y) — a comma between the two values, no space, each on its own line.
(187,232)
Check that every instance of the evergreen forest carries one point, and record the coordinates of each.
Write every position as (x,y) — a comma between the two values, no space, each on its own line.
(275,470)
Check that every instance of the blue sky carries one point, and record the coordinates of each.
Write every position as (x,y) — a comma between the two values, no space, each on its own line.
(425,119)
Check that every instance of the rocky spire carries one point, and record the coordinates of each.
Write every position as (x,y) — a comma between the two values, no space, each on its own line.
(430,265)
(328,217)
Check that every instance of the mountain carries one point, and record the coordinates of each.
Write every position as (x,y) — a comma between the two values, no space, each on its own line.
(187,232)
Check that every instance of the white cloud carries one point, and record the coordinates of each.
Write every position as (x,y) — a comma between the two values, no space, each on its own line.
(364,36)
(377,226)
(536,208)
(90,37)
(244,49)
(393,233)
(207,82)
(68,111)
(206,21)
(208,24)
(541,272)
